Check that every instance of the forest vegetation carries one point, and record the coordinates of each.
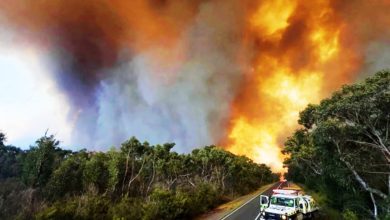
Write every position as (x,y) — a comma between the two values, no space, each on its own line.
(135,181)
(342,149)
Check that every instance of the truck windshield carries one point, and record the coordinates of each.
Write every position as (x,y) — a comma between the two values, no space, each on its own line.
(282,201)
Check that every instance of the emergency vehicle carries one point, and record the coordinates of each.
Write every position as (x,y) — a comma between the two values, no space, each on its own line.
(287,204)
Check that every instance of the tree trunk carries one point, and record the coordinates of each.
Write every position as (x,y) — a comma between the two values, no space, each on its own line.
(358,178)
(375,207)
(223,182)
(126,170)
(135,177)
(152,180)
(388,184)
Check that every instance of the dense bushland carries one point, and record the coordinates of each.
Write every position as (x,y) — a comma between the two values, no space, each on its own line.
(343,149)
(136,181)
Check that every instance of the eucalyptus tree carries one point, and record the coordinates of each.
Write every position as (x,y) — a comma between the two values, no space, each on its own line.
(41,160)
(346,139)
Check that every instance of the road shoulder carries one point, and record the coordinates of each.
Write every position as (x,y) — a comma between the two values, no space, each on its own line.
(225,209)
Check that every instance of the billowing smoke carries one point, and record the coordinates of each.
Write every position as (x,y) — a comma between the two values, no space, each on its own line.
(143,73)
(227,72)
(178,93)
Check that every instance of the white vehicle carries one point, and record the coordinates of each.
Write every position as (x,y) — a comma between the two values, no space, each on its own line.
(287,205)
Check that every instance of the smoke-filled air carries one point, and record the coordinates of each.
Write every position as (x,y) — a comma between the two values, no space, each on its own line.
(234,73)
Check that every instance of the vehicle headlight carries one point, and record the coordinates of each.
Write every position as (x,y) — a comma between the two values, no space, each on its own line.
(284,217)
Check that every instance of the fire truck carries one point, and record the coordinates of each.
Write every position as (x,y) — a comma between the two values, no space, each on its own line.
(287,204)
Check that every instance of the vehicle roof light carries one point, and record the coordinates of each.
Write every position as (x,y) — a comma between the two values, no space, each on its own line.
(286,191)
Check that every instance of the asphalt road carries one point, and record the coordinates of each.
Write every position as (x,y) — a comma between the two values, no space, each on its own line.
(251,209)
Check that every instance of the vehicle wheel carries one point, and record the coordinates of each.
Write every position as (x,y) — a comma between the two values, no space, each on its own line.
(315,215)
(299,216)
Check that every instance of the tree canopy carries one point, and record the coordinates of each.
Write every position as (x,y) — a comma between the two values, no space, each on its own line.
(135,181)
(343,147)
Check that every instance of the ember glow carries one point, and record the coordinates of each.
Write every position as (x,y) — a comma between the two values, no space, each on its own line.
(235,73)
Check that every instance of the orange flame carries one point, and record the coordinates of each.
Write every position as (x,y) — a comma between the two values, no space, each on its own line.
(296,47)
(303,50)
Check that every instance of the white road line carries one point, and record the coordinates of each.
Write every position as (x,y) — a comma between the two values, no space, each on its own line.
(279,185)
(258,216)
(242,205)
(260,212)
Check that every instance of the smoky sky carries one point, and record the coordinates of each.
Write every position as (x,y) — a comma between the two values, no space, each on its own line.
(142,74)
(160,70)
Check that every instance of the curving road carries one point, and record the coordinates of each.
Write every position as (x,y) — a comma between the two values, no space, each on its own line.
(251,209)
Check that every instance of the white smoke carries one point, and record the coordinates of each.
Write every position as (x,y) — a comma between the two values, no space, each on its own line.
(377,58)
(186,101)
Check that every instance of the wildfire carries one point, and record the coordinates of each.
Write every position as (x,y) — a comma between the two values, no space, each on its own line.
(295,46)
(264,18)
(187,62)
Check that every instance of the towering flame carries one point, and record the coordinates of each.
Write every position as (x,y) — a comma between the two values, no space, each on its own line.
(232,72)
(296,46)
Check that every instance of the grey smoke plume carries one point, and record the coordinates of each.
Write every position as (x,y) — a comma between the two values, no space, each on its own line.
(187,102)
(123,76)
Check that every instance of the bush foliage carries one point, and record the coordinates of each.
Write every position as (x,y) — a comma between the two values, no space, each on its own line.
(135,181)
(343,149)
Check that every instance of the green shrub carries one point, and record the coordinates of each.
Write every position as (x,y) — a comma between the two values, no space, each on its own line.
(203,197)
(127,208)
(349,215)
(166,204)
(81,207)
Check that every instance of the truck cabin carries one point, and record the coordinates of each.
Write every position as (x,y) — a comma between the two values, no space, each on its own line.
(284,200)
(287,198)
